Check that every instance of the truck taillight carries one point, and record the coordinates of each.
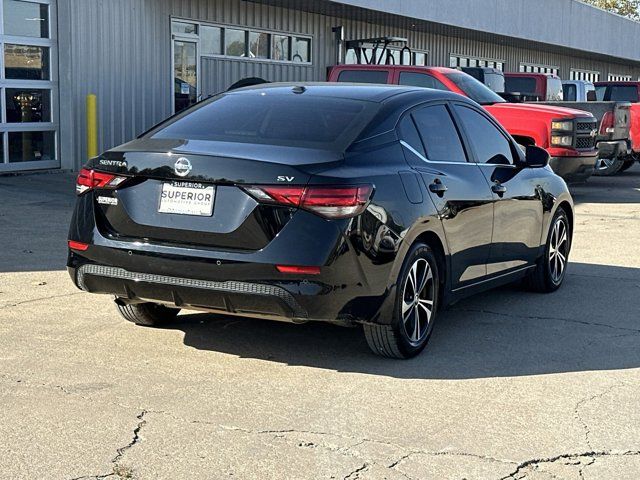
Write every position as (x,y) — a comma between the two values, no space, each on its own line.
(607,124)
(90,179)
(327,201)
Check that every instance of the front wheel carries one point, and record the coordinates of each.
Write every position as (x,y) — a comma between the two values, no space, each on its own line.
(415,310)
(552,267)
(627,165)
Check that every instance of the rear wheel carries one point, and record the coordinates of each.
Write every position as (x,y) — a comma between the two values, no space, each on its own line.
(147,314)
(552,267)
(605,167)
(415,308)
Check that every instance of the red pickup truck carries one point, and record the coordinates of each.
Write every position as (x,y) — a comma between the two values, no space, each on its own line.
(624,92)
(568,135)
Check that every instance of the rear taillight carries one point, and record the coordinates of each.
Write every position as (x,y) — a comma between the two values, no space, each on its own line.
(90,179)
(326,201)
(607,124)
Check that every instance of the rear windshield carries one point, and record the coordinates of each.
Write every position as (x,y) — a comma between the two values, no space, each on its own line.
(520,85)
(474,89)
(622,93)
(364,76)
(295,120)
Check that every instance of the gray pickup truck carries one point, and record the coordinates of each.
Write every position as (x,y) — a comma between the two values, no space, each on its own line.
(612,135)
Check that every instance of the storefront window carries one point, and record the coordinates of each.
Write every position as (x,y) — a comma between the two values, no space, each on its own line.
(211,40)
(26,19)
(28,105)
(301,50)
(280,47)
(26,62)
(31,146)
(235,42)
(258,45)
(29,122)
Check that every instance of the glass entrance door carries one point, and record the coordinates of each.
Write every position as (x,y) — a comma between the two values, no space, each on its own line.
(28,85)
(185,74)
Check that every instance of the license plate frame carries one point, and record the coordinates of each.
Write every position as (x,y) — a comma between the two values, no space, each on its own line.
(187,198)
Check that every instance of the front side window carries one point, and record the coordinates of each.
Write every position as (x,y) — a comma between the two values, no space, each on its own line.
(489,143)
(439,134)
(554,89)
(415,79)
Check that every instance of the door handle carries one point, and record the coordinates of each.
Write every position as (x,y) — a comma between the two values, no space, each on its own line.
(499,189)
(438,187)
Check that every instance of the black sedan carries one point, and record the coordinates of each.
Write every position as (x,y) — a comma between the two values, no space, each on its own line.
(352,204)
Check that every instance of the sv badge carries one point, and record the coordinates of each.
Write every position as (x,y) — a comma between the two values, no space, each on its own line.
(283,178)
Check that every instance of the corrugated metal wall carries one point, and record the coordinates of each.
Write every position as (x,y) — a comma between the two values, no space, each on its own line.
(120,50)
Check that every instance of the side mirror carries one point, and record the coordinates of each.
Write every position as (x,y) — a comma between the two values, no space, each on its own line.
(536,157)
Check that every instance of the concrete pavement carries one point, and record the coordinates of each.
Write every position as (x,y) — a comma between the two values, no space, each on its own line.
(514,385)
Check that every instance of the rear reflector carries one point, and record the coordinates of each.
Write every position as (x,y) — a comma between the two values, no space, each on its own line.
(90,179)
(298,270)
(327,201)
(73,245)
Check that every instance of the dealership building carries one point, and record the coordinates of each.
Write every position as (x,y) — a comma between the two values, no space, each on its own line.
(146,59)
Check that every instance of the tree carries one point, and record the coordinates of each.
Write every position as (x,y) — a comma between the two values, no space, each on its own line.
(626,8)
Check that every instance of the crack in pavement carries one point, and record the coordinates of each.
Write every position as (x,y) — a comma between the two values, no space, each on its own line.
(536,317)
(51,297)
(592,455)
(581,403)
(356,473)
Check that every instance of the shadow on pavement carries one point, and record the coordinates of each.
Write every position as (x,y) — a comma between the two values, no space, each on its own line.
(505,332)
(621,188)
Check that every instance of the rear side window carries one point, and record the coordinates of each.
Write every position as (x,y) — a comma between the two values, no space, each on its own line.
(554,89)
(364,76)
(439,134)
(570,93)
(489,144)
(262,117)
(415,79)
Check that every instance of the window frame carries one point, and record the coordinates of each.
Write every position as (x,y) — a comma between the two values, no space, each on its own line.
(423,157)
(471,151)
(52,85)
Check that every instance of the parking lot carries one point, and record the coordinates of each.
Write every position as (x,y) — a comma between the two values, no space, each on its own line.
(513,385)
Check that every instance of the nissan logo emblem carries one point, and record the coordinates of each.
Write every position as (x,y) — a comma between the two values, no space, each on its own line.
(182,167)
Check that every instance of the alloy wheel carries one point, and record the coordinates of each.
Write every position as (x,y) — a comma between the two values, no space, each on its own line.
(558,250)
(417,300)
(605,163)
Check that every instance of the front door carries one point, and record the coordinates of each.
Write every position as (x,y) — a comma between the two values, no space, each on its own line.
(517,192)
(456,186)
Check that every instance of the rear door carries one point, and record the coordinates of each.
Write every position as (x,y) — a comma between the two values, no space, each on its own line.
(456,186)
(517,191)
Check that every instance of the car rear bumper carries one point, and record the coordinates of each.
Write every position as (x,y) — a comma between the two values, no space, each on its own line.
(613,149)
(339,294)
(574,169)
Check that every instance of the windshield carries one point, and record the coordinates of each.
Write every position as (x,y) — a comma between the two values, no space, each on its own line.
(262,117)
(474,89)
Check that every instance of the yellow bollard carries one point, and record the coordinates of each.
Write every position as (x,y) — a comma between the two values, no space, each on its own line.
(92,126)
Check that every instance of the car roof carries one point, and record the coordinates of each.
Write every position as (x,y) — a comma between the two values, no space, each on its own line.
(377,93)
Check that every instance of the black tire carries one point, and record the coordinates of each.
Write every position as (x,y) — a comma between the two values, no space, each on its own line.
(608,167)
(147,314)
(627,165)
(394,340)
(544,279)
